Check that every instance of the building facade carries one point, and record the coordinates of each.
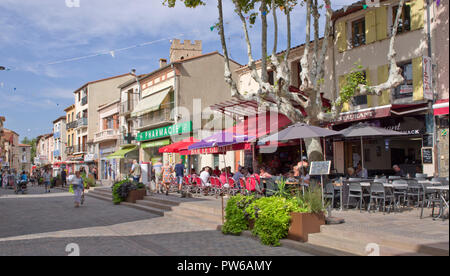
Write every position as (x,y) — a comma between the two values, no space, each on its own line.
(59,142)
(11,148)
(25,158)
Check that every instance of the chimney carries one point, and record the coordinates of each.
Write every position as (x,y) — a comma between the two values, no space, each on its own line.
(162,62)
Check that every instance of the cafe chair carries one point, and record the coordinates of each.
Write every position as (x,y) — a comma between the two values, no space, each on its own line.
(400,191)
(415,191)
(330,193)
(270,186)
(379,192)
(356,191)
(421,176)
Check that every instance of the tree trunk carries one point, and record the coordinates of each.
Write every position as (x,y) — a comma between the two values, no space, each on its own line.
(314,149)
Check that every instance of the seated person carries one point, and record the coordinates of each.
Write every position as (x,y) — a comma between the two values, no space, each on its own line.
(291,177)
(224,176)
(216,171)
(204,176)
(263,173)
(304,176)
(360,172)
(351,173)
(398,171)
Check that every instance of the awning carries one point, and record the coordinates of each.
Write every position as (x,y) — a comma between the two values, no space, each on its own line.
(179,146)
(247,131)
(122,153)
(441,107)
(155,144)
(150,103)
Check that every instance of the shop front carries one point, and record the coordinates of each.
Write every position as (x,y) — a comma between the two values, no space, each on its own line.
(382,153)
(441,112)
(123,159)
(109,168)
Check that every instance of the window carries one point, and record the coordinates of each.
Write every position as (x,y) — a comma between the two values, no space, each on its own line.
(404,24)
(406,89)
(359,32)
(271,77)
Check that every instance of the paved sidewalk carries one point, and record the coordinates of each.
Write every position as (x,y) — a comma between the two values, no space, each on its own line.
(43,224)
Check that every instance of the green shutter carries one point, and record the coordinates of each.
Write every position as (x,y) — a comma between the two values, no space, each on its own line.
(383,75)
(417,14)
(371,30)
(370,98)
(382,20)
(342,82)
(417,79)
(341,36)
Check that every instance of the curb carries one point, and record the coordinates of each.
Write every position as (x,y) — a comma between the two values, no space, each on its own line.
(314,250)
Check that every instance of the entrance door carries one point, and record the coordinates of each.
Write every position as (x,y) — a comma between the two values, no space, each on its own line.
(397,156)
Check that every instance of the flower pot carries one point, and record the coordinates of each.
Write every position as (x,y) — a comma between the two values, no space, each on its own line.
(303,224)
(136,195)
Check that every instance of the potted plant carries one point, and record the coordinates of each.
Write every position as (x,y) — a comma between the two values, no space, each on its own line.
(309,222)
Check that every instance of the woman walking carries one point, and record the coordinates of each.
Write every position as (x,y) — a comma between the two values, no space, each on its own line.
(47,183)
(167,172)
(78,189)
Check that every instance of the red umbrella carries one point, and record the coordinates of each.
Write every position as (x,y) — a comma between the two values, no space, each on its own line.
(177,147)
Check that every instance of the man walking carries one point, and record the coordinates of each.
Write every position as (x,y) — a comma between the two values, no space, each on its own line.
(136,171)
(47,178)
(64,178)
(179,173)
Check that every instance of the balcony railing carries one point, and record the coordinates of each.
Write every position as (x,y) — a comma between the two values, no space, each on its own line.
(108,134)
(127,107)
(71,125)
(162,115)
(80,148)
(69,150)
(84,101)
(82,122)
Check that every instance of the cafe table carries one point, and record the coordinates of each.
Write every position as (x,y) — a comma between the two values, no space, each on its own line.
(440,190)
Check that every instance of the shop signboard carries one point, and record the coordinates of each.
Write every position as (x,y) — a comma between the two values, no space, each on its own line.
(427,155)
(320,168)
(427,78)
(163,132)
(406,89)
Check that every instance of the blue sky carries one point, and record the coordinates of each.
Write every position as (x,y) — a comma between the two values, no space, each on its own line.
(34,34)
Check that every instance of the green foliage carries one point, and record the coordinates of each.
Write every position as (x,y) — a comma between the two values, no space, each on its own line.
(352,81)
(272,218)
(282,189)
(115,192)
(88,181)
(236,220)
(313,200)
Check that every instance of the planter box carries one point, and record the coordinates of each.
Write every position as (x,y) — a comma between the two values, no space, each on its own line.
(303,224)
(135,195)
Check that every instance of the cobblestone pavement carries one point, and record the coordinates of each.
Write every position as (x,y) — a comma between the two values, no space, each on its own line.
(44,224)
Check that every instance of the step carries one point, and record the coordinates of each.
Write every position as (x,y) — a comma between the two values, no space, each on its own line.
(153,204)
(166,201)
(141,207)
(355,246)
(180,210)
(194,220)
(393,241)
(100,196)
(100,192)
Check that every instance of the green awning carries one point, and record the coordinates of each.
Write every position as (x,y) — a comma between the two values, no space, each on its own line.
(150,103)
(155,144)
(122,153)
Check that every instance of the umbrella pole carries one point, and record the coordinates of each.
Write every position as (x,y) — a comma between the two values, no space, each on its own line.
(362,154)
(324,150)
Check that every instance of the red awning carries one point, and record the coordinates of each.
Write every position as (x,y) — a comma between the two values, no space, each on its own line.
(179,146)
(441,107)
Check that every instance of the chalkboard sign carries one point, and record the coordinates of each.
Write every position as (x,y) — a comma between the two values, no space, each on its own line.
(320,168)
(427,155)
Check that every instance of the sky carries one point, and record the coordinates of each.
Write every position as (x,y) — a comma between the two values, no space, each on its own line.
(51,47)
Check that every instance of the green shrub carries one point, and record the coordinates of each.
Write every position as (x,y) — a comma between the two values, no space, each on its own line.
(236,220)
(313,200)
(116,197)
(272,217)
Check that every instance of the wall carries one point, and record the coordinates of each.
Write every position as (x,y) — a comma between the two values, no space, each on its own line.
(440,37)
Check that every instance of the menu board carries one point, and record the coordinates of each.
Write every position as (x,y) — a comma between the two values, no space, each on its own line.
(427,155)
(320,168)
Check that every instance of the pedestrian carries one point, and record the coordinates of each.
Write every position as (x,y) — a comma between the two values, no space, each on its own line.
(179,173)
(47,178)
(78,189)
(136,171)
(157,170)
(167,172)
(64,178)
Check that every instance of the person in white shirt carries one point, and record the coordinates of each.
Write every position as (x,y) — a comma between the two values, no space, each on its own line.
(204,176)
(360,172)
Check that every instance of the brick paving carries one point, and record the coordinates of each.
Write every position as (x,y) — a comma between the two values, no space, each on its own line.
(43,224)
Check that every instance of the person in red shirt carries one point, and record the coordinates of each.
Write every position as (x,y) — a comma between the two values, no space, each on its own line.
(216,171)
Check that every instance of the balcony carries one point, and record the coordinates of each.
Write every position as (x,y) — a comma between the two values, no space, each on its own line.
(71,125)
(127,107)
(106,135)
(84,101)
(154,119)
(78,149)
(83,122)
(69,150)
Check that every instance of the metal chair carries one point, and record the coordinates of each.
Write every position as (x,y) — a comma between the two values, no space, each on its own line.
(356,191)
(415,190)
(421,175)
(400,191)
(394,177)
(378,192)
(330,192)
(442,180)
(271,186)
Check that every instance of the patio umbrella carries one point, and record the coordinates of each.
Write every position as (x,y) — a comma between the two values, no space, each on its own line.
(300,131)
(365,130)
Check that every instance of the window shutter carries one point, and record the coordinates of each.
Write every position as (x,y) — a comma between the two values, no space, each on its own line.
(116,121)
(341,36)
(417,11)
(417,79)
(370,98)
(105,124)
(381,21)
(342,82)
(383,75)
(371,30)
